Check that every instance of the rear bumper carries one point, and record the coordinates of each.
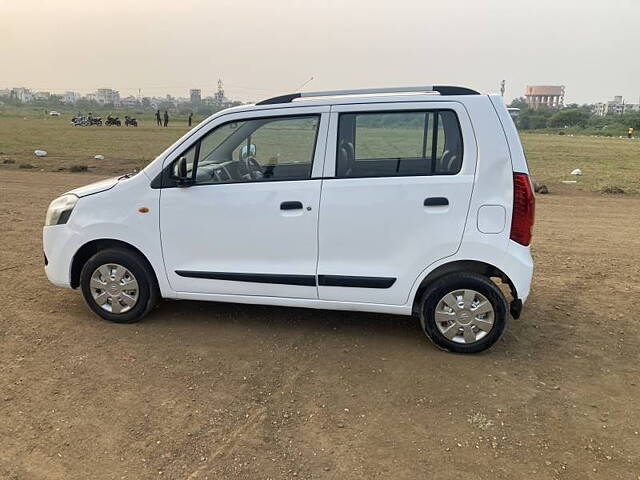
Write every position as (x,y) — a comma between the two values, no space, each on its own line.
(518,266)
(59,247)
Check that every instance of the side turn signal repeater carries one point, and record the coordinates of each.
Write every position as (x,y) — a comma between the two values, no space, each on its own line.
(143,209)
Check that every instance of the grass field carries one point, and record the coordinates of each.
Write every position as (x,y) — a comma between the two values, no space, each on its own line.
(603,161)
(124,148)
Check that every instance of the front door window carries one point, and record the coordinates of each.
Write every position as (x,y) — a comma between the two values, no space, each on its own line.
(263,149)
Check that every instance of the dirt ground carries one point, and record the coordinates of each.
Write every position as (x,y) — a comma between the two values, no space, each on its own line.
(217,391)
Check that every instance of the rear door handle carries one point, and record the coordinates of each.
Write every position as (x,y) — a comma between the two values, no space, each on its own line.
(291,206)
(436,202)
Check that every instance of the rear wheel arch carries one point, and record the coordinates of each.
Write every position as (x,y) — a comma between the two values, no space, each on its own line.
(475,266)
(89,249)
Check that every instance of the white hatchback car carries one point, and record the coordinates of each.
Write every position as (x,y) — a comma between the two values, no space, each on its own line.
(397,200)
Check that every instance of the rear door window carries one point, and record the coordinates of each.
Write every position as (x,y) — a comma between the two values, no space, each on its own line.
(382,144)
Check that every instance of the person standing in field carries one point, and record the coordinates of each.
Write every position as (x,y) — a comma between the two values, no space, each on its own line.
(630,132)
(158,121)
(190,118)
(166,118)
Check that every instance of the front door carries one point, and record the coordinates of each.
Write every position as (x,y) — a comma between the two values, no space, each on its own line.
(246,224)
(400,184)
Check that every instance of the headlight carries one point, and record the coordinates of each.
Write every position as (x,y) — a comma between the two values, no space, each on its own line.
(60,209)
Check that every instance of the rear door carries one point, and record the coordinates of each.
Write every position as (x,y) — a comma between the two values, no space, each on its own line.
(398,182)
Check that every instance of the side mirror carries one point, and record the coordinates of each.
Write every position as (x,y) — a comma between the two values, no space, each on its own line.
(181,173)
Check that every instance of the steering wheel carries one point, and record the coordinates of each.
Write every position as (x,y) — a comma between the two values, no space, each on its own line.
(253,167)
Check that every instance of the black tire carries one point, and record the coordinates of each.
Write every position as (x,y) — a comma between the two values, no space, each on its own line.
(459,281)
(138,266)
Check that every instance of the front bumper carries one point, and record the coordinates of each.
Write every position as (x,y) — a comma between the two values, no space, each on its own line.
(59,247)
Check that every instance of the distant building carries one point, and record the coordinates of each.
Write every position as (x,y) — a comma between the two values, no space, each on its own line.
(22,94)
(196,96)
(110,97)
(168,99)
(617,106)
(71,97)
(551,96)
(41,95)
(219,98)
(107,96)
(155,102)
(129,102)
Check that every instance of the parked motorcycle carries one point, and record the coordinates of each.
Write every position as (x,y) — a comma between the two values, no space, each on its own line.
(113,121)
(79,122)
(82,121)
(130,121)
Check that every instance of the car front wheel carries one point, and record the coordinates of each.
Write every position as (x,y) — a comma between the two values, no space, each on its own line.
(118,285)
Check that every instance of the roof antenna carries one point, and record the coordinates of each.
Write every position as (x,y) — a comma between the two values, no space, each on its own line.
(304,84)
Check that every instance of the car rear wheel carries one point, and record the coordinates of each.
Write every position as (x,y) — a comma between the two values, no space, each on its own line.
(463,312)
(118,285)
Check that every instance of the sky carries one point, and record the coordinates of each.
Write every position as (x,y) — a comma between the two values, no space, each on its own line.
(261,48)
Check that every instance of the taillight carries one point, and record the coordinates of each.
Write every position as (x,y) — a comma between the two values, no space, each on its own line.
(523,209)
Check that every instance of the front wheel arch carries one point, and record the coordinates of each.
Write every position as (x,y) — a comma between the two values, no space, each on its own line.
(89,249)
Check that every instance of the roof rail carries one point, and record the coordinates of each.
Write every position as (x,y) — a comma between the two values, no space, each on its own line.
(441,89)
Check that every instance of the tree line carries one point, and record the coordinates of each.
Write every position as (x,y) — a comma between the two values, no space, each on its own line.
(575,118)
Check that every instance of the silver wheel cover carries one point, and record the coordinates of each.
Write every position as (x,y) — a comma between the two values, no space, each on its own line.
(114,288)
(464,316)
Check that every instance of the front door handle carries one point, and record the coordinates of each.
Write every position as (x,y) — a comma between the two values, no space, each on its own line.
(436,202)
(291,206)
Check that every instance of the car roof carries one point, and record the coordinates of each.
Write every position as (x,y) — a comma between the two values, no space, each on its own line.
(369,95)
